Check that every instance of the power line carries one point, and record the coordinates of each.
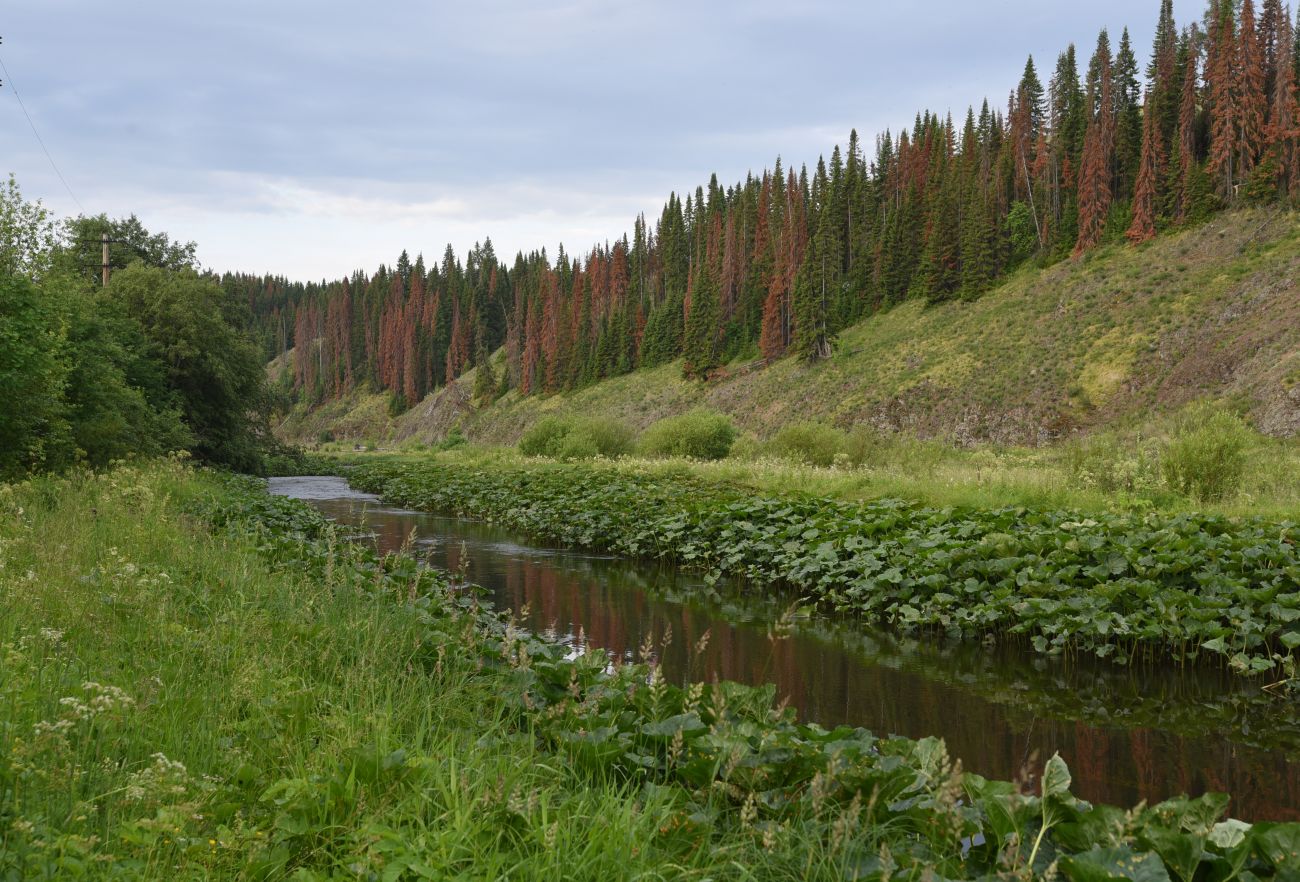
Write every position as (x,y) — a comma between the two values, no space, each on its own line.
(54,165)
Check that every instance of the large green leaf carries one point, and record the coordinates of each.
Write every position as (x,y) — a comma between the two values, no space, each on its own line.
(1104,864)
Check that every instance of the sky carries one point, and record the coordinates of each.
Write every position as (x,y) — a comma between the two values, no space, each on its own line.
(310,139)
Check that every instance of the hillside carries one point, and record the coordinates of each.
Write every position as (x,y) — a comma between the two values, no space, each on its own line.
(1099,341)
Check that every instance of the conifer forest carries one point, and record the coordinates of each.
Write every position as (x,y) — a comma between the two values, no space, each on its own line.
(1096,147)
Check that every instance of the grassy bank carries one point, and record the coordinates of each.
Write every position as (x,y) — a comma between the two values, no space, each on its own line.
(202,682)
(1103,474)
(1126,586)
(1086,345)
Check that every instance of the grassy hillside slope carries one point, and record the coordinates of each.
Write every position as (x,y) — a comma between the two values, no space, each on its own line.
(1100,341)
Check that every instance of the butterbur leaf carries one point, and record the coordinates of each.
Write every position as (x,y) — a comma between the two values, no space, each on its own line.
(1279,844)
(687,724)
(1229,834)
(1056,779)
(1104,864)
(1181,852)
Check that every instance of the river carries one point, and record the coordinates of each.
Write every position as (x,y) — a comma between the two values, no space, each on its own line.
(1127,733)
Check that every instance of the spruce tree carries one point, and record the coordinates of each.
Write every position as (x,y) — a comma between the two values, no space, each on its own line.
(1150,173)
(1095,193)
(1221,81)
(810,299)
(1250,89)
(700,345)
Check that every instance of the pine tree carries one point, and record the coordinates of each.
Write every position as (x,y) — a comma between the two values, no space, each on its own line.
(810,339)
(1250,90)
(1284,119)
(1221,81)
(1271,20)
(1188,165)
(979,245)
(771,341)
(1162,81)
(1150,171)
(1095,192)
(1128,112)
(942,257)
(700,346)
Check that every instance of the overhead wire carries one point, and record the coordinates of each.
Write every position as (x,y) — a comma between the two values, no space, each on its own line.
(13,87)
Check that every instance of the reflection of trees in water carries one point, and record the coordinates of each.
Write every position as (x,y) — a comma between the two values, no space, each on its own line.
(609,603)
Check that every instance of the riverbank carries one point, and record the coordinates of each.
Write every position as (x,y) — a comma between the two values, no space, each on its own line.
(203,682)
(1129,733)
(1184,587)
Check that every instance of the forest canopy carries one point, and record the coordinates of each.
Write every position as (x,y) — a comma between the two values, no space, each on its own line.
(159,360)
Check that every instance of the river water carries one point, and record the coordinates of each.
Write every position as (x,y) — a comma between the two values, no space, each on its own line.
(1127,733)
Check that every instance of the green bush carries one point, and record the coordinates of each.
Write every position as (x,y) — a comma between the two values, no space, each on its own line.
(543,437)
(577,445)
(698,434)
(1206,457)
(453,439)
(810,443)
(1106,463)
(576,438)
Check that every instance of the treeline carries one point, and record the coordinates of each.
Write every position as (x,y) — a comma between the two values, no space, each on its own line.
(779,263)
(159,360)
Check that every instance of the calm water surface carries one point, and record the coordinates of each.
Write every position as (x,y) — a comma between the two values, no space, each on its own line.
(1127,733)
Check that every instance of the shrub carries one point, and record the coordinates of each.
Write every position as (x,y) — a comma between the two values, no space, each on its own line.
(453,439)
(747,447)
(810,443)
(576,438)
(866,445)
(577,445)
(1206,457)
(1105,463)
(543,437)
(698,434)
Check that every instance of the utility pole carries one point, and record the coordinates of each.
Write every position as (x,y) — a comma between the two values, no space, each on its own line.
(104,242)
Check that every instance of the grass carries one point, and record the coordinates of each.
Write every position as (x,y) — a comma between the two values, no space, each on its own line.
(1107,472)
(236,710)
(201,682)
(1102,342)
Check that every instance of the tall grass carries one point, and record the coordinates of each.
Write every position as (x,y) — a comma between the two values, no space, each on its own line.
(174,709)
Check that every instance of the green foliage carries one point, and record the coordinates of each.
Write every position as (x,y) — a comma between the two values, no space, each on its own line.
(571,438)
(453,439)
(274,702)
(1022,236)
(157,363)
(28,234)
(1206,458)
(697,434)
(213,368)
(810,443)
(120,402)
(1119,586)
(1107,463)
(129,242)
(34,369)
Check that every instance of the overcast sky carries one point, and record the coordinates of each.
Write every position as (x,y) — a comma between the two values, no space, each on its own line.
(313,138)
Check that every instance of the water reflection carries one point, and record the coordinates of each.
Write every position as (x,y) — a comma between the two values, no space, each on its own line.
(1127,734)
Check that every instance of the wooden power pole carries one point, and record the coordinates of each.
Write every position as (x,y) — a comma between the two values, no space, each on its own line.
(104,242)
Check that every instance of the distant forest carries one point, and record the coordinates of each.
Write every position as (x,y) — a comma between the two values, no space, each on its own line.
(777,264)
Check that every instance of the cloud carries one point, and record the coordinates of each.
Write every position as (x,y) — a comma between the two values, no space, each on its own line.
(291,136)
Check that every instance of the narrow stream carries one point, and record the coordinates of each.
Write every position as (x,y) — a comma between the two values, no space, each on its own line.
(1127,733)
